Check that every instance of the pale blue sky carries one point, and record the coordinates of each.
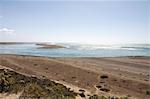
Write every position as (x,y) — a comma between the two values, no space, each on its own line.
(99,22)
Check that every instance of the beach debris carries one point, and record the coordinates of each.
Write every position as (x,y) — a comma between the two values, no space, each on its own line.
(105,89)
(104,77)
(81,90)
(82,94)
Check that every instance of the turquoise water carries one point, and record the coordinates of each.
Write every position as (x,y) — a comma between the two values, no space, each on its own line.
(78,50)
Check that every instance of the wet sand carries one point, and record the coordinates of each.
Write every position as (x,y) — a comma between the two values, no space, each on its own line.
(120,76)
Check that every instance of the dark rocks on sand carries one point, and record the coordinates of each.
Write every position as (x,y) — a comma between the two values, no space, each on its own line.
(104,77)
(81,90)
(82,94)
(99,86)
(105,89)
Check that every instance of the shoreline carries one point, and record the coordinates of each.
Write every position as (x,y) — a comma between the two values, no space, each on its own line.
(125,76)
(142,56)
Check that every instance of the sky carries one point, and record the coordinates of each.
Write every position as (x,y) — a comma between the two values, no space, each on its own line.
(81,21)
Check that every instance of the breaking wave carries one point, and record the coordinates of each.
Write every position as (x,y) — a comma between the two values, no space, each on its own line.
(107,47)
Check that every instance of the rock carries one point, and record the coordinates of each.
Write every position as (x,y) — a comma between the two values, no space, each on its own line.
(104,77)
(99,86)
(82,94)
(81,90)
(105,89)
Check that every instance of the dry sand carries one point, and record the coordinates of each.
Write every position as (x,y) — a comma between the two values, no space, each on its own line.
(121,76)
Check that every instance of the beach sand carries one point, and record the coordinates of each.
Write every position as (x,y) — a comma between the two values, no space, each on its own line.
(119,76)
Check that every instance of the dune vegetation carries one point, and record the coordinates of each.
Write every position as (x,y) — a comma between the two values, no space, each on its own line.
(32,87)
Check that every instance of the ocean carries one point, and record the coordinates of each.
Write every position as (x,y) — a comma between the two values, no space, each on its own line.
(78,50)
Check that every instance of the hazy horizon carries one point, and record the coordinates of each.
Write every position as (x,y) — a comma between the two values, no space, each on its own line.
(89,22)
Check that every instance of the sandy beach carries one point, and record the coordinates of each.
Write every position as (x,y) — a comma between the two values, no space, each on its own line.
(74,49)
(119,76)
